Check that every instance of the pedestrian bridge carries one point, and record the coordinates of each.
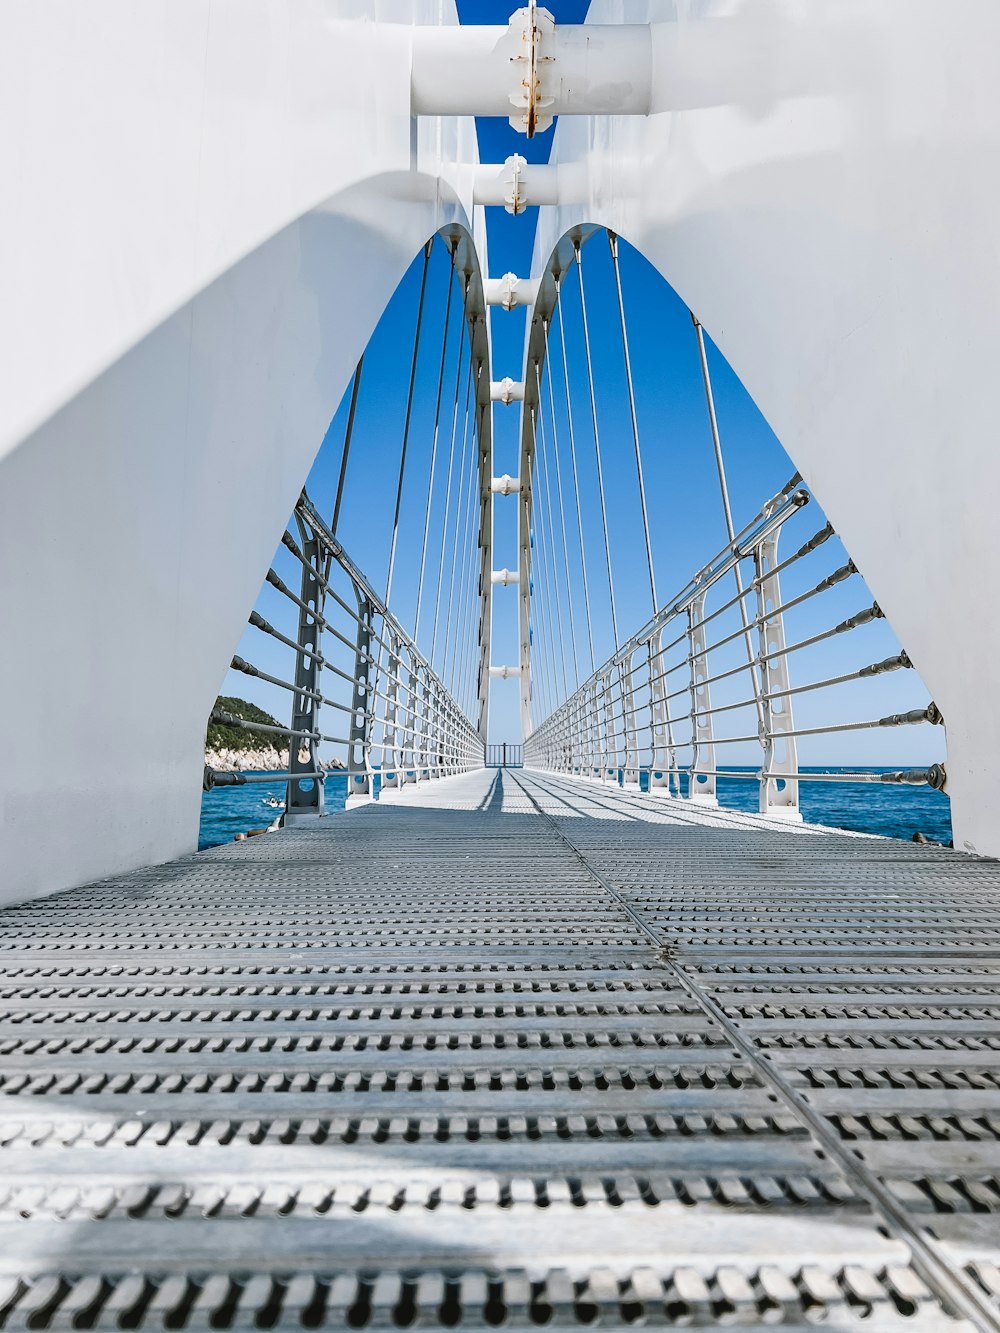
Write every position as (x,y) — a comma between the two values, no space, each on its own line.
(564,1044)
(514,1048)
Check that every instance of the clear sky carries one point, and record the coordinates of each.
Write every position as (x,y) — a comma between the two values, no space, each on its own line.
(686,517)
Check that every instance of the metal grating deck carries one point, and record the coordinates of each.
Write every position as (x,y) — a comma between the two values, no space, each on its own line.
(518,1050)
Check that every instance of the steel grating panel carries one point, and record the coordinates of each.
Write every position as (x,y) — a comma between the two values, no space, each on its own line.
(857,973)
(518,1050)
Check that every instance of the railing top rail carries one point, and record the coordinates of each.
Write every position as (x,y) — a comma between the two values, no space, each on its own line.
(309,512)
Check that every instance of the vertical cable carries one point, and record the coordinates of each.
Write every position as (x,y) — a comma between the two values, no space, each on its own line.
(724,489)
(462,516)
(562,508)
(476,570)
(347,444)
(447,499)
(543,468)
(613,242)
(406,426)
(434,442)
(597,441)
(464,500)
(576,478)
(549,642)
(468,590)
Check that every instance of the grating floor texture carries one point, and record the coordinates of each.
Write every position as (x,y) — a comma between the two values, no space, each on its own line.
(516,1050)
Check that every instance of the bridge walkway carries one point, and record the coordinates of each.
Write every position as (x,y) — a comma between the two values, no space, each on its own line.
(513,1049)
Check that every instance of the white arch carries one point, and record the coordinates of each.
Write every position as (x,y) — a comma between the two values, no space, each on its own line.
(824,199)
(206,209)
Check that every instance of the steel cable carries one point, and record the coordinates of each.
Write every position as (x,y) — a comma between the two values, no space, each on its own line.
(538,426)
(545,593)
(447,502)
(460,562)
(613,242)
(597,441)
(347,444)
(409,414)
(576,478)
(562,507)
(461,639)
(724,490)
(434,441)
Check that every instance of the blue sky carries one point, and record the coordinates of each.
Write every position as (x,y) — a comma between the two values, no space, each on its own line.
(687,526)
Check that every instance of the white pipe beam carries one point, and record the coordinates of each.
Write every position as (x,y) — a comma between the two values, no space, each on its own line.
(507,391)
(587,69)
(510,291)
(493,184)
(505,485)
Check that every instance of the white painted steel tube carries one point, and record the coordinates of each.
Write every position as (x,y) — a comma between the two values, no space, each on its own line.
(538,183)
(507,391)
(522,291)
(596,69)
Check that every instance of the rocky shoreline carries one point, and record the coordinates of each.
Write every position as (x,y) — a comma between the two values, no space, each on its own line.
(264,760)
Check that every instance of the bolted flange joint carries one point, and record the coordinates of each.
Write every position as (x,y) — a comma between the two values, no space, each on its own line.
(505,485)
(507,391)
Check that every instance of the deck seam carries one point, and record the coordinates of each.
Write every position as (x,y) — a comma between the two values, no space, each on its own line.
(951,1287)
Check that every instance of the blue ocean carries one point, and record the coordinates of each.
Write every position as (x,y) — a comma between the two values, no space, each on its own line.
(893,812)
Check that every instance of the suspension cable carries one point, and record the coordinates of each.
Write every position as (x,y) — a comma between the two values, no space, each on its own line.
(347,443)
(462,674)
(447,498)
(613,242)
(547,642)
(458,562)
(409,413)
(434,442)
(541,452)
(548,658)
(724,490)
(546,467)
(559,489)
(576,479)
(461,567)
(597,441)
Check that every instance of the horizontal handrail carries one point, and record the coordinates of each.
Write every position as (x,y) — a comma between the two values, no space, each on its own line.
(629,717)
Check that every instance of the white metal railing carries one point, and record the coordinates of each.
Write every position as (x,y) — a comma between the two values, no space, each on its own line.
(352,657)
(664,704)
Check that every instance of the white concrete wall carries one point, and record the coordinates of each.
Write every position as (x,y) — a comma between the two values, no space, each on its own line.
(206,208)
(820,185)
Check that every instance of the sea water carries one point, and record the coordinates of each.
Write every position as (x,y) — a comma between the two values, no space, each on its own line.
(893,812)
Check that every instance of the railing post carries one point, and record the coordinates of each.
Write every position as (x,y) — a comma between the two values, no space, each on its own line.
(779,793)
(430,754)
(579,733)
(439,737)
(408,756)
(305,794)
(664,779)
(607,735)
(630,765)
(597,730)
(594,730)
(701,780)
(419,723)
(390,725)
(450,735)
(359,749)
